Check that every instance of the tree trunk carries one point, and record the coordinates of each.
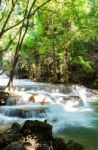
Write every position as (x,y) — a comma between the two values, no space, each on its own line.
(1,62)
(10,83)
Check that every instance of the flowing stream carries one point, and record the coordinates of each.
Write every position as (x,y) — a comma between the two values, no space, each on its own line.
(71,109)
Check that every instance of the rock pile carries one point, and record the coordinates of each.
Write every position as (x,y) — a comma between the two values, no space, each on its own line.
(34,135)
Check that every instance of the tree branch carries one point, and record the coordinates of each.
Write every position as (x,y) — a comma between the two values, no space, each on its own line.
(11,41)
(20,30)
(30,15)
(7,19)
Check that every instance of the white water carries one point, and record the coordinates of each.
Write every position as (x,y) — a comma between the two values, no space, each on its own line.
(67,108)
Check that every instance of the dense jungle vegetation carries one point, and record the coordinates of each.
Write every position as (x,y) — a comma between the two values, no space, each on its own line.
(50,40)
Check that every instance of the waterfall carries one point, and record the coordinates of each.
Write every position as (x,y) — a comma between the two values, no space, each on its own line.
(81,92)
(71,109)
(33,100)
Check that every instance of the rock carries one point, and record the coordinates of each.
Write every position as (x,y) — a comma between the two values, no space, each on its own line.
(15,146)
(41,129)
(43,147)
(74,146)
(31,99)
(31,144)
(16,127)
(11,135)
(59,144)
(34,135)
(39,98)
(3,97)
(20,145)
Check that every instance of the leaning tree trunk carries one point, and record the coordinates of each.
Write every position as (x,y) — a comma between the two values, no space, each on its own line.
(10,83)
(27,15)
(18,47)
(1,62)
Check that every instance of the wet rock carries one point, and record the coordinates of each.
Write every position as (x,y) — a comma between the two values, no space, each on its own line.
(74,146)
(43,147)
(11,135)
(59,144)
(20,145)
(16,127)
(15,146)
(3,97)
(41,129)
(31,99)
(34,135)
(39,98)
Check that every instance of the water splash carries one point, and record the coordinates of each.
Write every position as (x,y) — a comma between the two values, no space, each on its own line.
(81,92)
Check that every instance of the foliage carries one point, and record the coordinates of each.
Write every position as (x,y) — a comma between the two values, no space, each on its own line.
(60,34)
(95,83)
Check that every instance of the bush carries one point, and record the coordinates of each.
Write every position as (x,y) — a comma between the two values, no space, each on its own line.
(95,83)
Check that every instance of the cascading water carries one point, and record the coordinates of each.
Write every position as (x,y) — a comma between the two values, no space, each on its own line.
(67,108)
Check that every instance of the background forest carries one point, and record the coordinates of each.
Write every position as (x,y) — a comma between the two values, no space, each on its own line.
(50,40)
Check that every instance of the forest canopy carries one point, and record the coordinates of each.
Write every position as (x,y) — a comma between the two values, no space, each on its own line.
(50,40)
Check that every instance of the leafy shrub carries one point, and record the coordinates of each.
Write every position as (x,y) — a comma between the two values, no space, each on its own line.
(95,83)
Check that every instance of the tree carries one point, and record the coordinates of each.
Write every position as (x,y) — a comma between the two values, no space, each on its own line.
(29,11)
(49,38)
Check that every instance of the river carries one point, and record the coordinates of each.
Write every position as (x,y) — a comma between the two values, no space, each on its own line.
(71,109)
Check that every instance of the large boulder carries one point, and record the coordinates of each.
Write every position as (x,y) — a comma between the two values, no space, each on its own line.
(38,128)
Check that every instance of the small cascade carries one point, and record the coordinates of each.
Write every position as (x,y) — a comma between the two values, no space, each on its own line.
(22,111)
(80,92)
(67,107)
(32,100)
(14,100)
